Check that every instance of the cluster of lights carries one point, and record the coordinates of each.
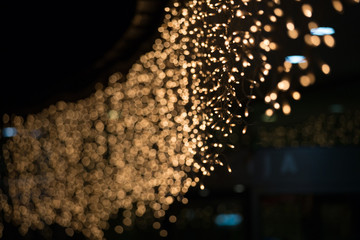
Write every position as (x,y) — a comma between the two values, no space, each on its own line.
(293,71)
(231,45)
(128,147)
(134,144)
(225,69)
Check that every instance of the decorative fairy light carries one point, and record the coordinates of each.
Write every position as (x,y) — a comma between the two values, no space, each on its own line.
(226,66)
(128,146)
(290,72)
(135,144)
(238,48)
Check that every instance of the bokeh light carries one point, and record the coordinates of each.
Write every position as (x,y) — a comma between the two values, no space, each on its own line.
(140,142)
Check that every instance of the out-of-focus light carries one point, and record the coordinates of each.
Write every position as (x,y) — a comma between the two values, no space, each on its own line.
(276,105)
(284,85)
(286,109)
(9,132)
(113,115)
(322,31)
(163,233)
(325,68)
(172,219)
(305,80)
(239,188)
(228,220)
(296,95)
(119,229)
(295,59)
(337,5)
(290,26)
(329,41)
(269,119)
(336,108)
(307,10)
(273,96)
(269,112)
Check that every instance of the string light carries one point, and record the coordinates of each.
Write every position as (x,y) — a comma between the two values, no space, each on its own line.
(128,146)
(135,144)
(233,49)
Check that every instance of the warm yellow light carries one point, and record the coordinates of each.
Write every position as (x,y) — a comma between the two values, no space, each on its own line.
(284,85)
(156,225)
(329,40)
(238,13)
(118,229)
(286,109)
(315,40)
(276,105)
(312,25)
(131,145)
(290,26)
(304,64)
(273,96)
(163,233)
(267,28)
(269,112)
(307,10)
(337,5)
(296,95)
(325,68)
(172,219)
(278,12)
(272,18)
(305,81)
(287,66)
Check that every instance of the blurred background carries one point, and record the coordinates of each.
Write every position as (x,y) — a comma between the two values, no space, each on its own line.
(293,176)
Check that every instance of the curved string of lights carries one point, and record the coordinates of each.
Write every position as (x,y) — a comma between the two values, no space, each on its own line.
(139,143)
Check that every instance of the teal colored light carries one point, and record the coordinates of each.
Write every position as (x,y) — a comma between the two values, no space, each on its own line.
(322,31)
(228,220)
(295,59)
